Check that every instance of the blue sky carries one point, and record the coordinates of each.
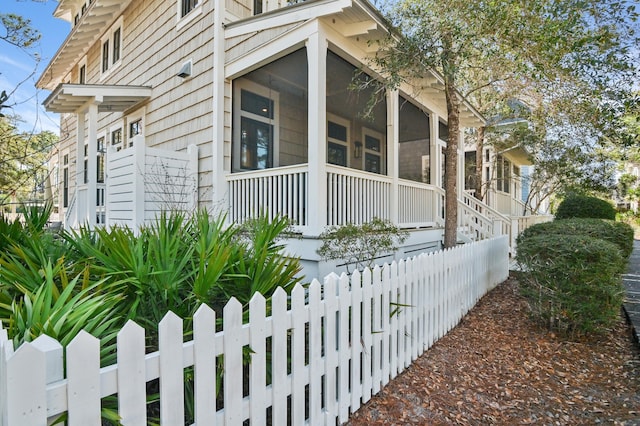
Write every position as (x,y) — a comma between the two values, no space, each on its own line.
(17,66)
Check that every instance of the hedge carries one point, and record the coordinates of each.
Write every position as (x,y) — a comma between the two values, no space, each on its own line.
(572,282)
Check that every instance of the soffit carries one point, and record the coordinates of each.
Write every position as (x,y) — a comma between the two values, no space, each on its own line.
(72,98)
(98,17)
(518,155)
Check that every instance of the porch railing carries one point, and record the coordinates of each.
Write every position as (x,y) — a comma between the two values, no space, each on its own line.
(419,204)
(280,191)
(354,196)
(487,211)
(511,206)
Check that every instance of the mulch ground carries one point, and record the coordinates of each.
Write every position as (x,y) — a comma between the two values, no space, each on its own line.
(498,367)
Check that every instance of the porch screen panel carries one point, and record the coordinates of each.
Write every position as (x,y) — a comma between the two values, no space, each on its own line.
(413,152)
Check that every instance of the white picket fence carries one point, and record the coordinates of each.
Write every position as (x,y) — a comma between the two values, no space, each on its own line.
(332,346)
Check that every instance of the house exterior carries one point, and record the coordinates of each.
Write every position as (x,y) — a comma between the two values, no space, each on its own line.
(239,106)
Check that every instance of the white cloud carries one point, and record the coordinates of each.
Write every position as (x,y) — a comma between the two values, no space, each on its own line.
(12,62)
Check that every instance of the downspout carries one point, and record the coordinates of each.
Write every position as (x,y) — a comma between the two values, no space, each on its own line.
(218,179)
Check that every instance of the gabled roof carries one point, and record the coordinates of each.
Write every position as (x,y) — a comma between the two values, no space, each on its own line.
(98,17)
(70,98)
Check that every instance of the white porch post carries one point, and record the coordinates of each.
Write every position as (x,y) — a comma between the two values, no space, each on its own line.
(435,151)
(92,164)
(393,140)
(317,158)
(79,216)
(435,161)
(461,164)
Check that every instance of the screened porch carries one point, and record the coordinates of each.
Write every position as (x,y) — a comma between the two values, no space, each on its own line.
(377,149)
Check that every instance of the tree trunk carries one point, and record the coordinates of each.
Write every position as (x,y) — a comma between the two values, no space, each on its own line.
(451,151)
(479,162)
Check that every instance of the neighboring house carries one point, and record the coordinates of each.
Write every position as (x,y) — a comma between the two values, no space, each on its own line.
(241,105)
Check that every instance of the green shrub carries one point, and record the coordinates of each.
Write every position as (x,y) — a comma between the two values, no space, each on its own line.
(572,282)
(585,206)
(361,244)
(618,233)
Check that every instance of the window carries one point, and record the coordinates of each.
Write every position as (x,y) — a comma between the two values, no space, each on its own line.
(255,121)
(373,151)
(134,127)
(82,74)
(65,181)
(257,7)
(105,56)
(116,138)
(85,170)
(188,6)
(116,46)
(112,47)
(100,160)
(337,141)
(503,172)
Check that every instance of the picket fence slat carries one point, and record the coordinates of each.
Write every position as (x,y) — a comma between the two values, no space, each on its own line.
(355,341)
(232,363)
(279,357)
(83,373)
(336,345)
(171,370)
(132,401)
(258,366)
(204,329)
(330,355)
(299,374)
(344,354)
(367,337)
(316,368)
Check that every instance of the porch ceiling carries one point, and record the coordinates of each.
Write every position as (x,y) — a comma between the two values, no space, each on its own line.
(518,155)
(98,17)
(357,20)
(71,98)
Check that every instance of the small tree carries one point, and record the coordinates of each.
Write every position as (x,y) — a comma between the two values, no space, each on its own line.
(360,245)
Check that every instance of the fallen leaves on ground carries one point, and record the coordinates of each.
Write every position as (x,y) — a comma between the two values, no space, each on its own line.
(498,367)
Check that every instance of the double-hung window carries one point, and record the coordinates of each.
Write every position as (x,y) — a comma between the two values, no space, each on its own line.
(65,180)
(116,138)
(111,52)
(256,127)
(337,141)
(187,6)
(374,148)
